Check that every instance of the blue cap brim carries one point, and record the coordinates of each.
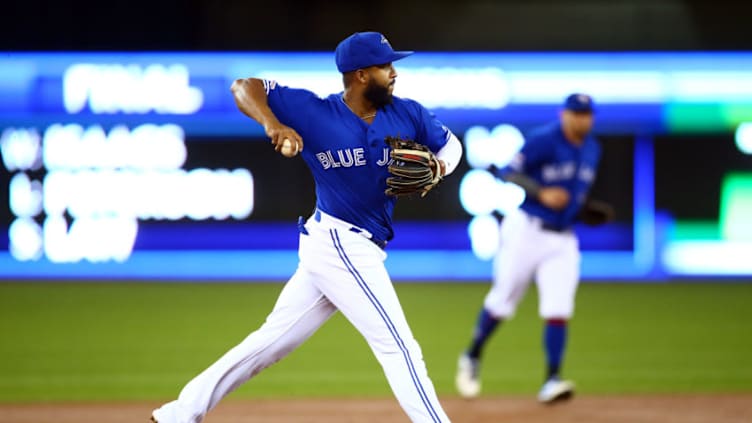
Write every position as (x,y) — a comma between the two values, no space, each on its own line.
(401,55)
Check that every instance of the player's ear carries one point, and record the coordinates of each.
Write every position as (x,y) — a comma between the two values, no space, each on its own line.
(361,75)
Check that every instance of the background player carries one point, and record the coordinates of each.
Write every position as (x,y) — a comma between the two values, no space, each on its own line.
(341,245)
(556,168)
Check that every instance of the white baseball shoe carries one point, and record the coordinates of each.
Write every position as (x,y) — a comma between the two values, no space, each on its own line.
(468,377)
(556,390)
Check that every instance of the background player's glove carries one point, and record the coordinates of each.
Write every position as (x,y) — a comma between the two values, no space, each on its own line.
(414,168)
(596,212)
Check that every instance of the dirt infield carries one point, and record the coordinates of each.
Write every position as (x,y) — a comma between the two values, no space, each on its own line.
(735,408)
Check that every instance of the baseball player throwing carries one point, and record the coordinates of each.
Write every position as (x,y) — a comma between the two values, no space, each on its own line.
(342,243)
(556,168)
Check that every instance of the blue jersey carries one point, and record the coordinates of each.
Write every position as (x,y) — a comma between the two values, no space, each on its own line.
(348,157)
(551,160)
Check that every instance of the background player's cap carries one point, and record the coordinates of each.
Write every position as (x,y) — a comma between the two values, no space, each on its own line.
(364,49)
(579,102)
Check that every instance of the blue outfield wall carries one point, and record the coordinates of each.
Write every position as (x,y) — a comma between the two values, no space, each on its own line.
(248,252)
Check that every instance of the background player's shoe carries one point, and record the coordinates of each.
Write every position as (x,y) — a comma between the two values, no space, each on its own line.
(468,377)
(556,390)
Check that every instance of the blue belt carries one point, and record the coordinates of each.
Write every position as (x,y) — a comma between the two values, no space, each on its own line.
(379,242)
(554,228)
(547,226)
(317,216)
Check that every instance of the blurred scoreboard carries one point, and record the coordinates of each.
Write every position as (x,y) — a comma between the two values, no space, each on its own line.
(138,165)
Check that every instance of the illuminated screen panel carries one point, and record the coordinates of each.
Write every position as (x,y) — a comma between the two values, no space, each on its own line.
(707,188)
(139,165)
(636,92)
(226,209)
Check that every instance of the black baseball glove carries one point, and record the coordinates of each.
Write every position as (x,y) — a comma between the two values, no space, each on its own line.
(596,212)
(414,168)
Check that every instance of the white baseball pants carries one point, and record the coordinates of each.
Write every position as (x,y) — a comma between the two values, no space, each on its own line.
(339,270)
(529,252)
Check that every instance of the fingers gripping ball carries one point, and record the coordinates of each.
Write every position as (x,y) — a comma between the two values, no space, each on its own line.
(414,168)
(289,148)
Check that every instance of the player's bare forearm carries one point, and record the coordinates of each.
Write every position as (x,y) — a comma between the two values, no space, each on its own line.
(531,186)
(553,197)
(250,97)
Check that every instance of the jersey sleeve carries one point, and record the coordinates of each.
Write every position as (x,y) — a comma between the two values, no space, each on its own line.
(290,104)
(431,132)
(598,153)
(530,156)
(593,159)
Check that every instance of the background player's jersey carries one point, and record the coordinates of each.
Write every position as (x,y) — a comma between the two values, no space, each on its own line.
(551,160)
(348,157)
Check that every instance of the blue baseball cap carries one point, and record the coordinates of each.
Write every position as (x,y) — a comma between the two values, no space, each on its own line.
(579,102)
(364,49)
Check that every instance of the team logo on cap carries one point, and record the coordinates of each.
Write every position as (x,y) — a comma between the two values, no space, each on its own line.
(582,98)
(384,40)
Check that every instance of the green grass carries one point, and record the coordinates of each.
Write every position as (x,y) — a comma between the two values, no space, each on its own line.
(144,341)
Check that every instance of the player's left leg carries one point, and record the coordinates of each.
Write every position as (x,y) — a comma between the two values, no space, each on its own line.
(558,278)
(300,310)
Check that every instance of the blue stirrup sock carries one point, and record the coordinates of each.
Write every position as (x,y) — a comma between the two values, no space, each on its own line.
(554,341)
(483,329)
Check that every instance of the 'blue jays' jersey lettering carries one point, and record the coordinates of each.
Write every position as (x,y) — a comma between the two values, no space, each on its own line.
(348,157)
(551,160)
(345,158)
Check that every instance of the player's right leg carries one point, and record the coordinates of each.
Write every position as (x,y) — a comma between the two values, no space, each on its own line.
(300,309)
(514,266)
(358,284)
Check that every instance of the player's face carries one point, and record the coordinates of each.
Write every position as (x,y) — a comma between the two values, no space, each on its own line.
(380,85)
(578,124)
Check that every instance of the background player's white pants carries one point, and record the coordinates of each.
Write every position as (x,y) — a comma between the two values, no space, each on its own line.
(528,252)
(338,270)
